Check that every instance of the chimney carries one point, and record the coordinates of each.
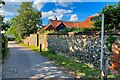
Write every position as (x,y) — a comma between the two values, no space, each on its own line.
(55,18)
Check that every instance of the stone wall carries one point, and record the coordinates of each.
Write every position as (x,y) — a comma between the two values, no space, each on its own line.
(33,39)
(84,48)
(116,57)
(26,40)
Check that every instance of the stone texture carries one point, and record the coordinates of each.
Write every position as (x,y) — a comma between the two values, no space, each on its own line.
(84,48)
(116,57)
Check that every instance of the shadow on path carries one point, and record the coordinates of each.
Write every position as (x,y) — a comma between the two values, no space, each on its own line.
(25,63)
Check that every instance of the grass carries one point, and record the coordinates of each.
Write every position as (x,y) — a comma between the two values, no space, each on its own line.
(75,68)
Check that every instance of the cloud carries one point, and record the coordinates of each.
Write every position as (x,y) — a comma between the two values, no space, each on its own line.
(38,4)
(63,4)
(42,0)
(17,0)
(74,17)
(59,17)
(6,19)
(63,0)
(59,13)
(96,14)
(9,9)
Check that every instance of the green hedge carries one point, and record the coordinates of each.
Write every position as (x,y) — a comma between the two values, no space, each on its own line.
(110,40)
(76,30)
(4,46)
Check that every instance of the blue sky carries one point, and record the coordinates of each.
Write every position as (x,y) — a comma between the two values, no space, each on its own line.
(81,9)
(67,11)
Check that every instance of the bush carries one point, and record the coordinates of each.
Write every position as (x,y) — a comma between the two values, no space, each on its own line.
(4,46)
(42,31)
(110,40)
(76,30)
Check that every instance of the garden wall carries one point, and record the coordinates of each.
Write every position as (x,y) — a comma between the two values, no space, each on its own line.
(116,57)
(26,40)
(33,39)
(82,47)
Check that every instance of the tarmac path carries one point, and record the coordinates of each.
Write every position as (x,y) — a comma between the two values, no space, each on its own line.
(25,63)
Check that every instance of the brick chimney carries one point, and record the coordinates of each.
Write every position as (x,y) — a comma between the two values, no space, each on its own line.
(55,17)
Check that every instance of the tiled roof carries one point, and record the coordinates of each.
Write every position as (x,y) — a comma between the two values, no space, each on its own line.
(86,24)
(55,23)
(45,27)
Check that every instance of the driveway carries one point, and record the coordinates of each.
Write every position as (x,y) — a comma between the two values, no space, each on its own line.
(25,63)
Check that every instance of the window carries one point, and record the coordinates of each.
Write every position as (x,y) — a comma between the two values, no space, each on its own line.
(94,18)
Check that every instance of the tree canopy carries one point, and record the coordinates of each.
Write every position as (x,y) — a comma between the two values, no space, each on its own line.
(6,25)
(26,21)
(112,17)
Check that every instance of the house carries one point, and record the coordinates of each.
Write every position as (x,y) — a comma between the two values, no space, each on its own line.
(57,25)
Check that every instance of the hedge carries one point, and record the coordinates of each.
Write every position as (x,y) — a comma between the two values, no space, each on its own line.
(4,46)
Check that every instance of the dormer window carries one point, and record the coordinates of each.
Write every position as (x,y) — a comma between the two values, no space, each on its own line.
(62,25)
(94,18)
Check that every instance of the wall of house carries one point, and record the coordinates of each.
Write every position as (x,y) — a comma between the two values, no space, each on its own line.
(82,47)
(60,27)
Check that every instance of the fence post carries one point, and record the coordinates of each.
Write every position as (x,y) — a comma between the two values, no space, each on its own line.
(40,47)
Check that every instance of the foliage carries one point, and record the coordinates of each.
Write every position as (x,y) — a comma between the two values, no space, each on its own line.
(97,25)
(2,2)
(43,31)
(112,17)
(25,22)
(6,25)
(85,29)
(70,30)
(110,40)
(4,46)
(75,30)
(11,30)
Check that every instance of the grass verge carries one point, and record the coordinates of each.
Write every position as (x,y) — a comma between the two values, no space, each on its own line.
(71,66)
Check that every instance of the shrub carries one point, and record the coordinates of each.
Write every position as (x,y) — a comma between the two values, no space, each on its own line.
(76,30)
(4,46)
(42,31)
(49,32)
(110,40)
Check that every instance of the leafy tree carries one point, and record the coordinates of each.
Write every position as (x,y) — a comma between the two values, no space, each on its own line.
(26,21)
(112,17)
(6,25)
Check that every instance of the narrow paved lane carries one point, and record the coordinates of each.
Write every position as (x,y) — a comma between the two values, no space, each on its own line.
(25,63)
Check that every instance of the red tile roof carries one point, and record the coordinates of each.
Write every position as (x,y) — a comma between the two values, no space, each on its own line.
(55,23)
(45,27)
(86,24)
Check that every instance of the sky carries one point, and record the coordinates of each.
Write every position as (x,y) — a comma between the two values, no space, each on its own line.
(70,10)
